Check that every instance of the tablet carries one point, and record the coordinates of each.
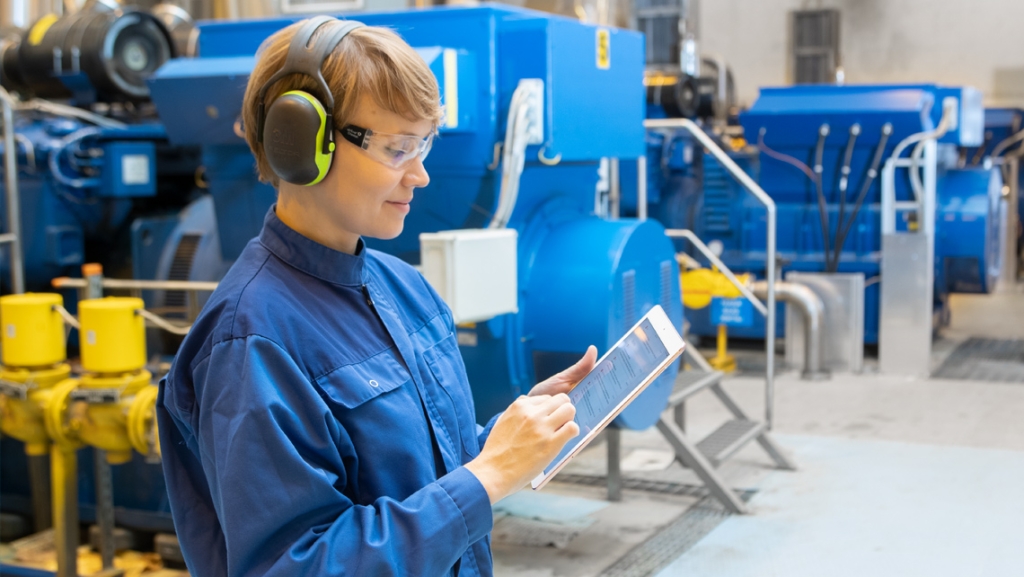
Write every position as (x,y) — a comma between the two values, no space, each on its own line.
(618,378)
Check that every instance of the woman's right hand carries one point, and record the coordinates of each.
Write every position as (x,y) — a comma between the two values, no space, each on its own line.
(524,440)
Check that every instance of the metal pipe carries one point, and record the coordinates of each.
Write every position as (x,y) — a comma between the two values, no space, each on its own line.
(64,487)
(813,311)
(39,478)
(130,284)
(13,200)
(613,436)
(769,205)
(92,273)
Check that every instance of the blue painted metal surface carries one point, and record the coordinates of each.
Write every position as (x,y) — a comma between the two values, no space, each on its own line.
(590,112)
(788,120)
(583,280)
(1001,124)
(91,200)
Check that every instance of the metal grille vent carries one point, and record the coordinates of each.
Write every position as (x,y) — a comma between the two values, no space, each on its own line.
(181,269)
(628,299)
(718,195)
(659,21)
(815,45)
(666,286)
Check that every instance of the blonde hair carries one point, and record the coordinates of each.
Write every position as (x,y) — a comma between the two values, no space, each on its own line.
(370,61)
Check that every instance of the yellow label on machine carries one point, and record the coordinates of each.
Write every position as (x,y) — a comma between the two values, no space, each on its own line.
(35,36)
(604,48)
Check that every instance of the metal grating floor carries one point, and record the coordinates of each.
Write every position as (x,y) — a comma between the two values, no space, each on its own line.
(979,359)
(672,540)
(668,544)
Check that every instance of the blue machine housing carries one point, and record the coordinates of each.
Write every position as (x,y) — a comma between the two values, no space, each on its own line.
(788,121)
(583,280)
(105,179)
(1001,124)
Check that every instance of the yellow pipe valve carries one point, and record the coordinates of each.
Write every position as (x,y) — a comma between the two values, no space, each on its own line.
(99,411)
(33,330)
(23,395)
(113,335)
(699,286)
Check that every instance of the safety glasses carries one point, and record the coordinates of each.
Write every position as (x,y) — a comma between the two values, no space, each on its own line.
(394,150)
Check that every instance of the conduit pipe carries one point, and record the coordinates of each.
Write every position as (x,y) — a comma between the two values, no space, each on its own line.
(813,311)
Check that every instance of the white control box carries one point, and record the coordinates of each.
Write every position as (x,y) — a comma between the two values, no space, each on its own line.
(474,270)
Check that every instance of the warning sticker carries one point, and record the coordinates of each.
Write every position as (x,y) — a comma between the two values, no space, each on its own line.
(604,49)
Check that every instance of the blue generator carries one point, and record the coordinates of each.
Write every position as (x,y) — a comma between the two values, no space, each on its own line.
(165,188)
(582,279)
(819,152)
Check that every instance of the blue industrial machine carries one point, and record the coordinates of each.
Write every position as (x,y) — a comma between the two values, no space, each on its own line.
(582,279)
(87,167)
(845,134)
(1003,145)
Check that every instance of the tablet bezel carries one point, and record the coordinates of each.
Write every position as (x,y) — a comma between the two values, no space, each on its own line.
(673,343)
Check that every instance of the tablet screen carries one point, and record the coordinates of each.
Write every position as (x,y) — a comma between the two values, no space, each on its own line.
(613,379)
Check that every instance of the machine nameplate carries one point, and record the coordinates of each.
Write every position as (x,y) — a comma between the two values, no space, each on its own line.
(96,396)
(736,312)
(14,390)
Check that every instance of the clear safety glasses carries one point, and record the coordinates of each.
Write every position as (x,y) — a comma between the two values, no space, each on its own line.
(394,150)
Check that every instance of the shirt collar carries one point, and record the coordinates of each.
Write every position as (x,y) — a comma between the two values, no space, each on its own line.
(309,256)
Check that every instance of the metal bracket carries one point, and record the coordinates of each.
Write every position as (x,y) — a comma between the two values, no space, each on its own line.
(14,390)
(96,396)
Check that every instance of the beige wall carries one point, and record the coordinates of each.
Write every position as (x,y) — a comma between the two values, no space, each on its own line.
(977,42)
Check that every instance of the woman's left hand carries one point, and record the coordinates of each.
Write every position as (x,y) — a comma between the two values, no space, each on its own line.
(564,381)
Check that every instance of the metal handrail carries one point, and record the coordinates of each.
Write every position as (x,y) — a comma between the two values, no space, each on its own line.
(706,251)
(13,236)
(769,204)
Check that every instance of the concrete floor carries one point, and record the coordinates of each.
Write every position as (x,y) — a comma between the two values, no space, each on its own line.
(946,457)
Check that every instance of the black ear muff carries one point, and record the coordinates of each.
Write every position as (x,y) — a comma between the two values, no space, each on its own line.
(297,131)
(293,136)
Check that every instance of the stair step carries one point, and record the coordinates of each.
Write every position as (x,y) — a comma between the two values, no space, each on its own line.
(689,383)
(728,439)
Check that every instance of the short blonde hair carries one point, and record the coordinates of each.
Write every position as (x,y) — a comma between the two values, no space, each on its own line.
(370,61)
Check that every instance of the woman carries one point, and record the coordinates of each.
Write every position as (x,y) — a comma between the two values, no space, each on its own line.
(317,419)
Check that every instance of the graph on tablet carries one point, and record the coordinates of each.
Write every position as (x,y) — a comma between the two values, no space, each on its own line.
(613,380)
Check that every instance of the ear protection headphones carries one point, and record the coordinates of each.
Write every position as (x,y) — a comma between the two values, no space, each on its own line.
(297,131)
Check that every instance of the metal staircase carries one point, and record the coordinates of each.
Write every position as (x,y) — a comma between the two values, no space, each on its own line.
(704,456)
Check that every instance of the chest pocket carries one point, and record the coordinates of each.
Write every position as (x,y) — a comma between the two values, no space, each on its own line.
(352,385)
(445,363)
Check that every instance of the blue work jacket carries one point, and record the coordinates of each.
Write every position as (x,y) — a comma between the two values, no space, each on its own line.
(316,421)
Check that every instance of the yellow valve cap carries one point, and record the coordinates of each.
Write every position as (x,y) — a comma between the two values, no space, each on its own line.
(701,284)
(32,333)
(112,337)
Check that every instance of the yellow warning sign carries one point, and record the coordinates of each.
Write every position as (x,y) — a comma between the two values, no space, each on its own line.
(604,49)
(35,36)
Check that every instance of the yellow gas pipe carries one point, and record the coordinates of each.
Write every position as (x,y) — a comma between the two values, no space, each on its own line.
(111,405)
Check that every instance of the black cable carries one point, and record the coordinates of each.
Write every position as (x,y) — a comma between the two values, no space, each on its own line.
(844,181)
(980,153)
(868,181)
(819,151)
